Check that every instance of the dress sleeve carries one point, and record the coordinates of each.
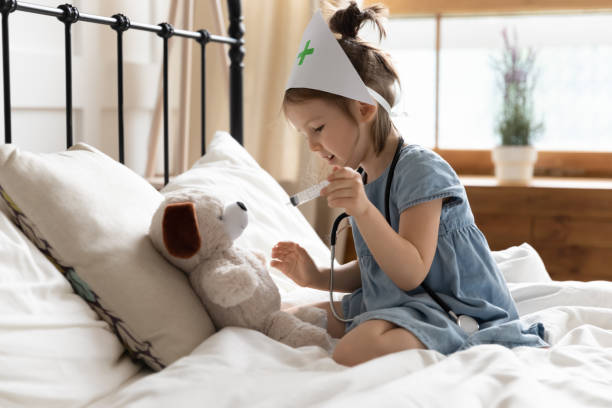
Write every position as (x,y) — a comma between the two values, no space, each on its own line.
(422,175)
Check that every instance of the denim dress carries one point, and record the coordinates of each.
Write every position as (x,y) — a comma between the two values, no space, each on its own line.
(463,272)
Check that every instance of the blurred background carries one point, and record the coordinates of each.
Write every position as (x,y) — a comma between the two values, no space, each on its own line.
(445,51)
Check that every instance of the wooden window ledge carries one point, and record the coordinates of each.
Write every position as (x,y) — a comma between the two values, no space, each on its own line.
(567,220)
(541,182)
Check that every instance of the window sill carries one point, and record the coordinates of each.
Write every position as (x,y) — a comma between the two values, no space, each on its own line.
(596,165)
(541,182)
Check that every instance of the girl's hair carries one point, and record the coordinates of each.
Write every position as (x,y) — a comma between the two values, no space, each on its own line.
(372,64)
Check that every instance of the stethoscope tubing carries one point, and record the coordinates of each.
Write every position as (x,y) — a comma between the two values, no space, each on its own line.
(331,287)
(465,322)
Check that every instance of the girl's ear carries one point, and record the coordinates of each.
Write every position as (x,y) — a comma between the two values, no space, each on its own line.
(365,112)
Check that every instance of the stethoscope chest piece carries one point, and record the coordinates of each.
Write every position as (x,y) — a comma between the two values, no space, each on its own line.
(468,324)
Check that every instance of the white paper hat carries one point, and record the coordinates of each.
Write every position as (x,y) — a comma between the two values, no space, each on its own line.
(323,65)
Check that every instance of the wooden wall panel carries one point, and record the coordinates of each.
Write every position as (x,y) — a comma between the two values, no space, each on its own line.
(581,263)
(570,227)
(530,201)
(505,231)
(593,232)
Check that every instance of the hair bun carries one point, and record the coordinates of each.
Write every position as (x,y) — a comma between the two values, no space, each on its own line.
(348,21)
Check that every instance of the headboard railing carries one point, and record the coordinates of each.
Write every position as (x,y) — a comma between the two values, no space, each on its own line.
(236,54)
(69,15)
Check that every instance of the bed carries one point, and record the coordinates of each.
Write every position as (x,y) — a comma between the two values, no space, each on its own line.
(92,316)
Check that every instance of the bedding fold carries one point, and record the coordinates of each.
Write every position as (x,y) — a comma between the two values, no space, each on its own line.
(239,367)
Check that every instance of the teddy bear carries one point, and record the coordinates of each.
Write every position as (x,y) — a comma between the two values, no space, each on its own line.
(195,232)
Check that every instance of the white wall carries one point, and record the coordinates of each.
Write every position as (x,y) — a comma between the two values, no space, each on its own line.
(38,87)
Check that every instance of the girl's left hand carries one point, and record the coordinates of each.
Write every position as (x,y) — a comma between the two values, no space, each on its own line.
(345,190)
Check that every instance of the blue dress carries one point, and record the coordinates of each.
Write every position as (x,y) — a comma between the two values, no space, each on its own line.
(463,272)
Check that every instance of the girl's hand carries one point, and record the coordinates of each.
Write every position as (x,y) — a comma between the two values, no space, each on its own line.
(293,260)
(345,190)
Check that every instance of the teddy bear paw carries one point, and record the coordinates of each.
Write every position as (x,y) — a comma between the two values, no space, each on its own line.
(312,315)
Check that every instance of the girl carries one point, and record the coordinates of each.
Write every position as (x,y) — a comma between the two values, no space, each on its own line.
(430,237)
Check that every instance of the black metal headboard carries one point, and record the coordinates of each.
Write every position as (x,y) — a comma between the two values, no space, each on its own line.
(69,15)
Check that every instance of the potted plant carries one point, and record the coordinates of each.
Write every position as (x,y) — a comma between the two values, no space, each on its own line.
(515,158)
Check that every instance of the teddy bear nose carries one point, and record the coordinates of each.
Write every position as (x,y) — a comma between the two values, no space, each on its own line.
(241,205)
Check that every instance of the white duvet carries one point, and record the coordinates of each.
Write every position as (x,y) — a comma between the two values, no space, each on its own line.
(238,367)
(54,352)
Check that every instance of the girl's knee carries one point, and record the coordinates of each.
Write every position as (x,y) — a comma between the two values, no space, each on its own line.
(366,343)
(345,354)
(354,352)
(358,346)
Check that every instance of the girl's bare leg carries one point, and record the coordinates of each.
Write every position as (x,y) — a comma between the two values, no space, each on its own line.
(371,339)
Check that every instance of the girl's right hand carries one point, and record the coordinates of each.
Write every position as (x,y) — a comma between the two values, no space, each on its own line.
(293,260)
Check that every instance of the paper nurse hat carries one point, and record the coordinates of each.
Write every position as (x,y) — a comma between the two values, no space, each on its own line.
(322,64)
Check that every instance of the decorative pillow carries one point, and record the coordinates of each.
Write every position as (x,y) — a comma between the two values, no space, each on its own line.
(90,215)
(521,264)
(4,208)
(229,170)
(55,351)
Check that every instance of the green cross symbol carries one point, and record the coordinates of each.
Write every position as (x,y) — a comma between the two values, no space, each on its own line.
(304,53)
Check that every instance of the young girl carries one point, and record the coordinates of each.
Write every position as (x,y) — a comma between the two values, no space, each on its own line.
(431,236)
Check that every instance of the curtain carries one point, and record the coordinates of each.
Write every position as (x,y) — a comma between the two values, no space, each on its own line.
(273,30)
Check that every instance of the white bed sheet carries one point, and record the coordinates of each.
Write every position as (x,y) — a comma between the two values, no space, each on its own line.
(54,352)
(238,367)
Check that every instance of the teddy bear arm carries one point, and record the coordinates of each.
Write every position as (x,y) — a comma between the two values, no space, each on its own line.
(227,284)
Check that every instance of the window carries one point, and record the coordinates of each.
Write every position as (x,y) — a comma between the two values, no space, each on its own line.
(412,45)
(573,93)
(443,52)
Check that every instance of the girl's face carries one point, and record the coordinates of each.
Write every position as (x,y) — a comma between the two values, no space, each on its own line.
(330,131)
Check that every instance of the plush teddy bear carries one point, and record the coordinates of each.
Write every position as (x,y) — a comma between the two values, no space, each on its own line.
(195,232)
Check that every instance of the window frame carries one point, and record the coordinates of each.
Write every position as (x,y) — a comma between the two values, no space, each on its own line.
(474,7)
(549,163)
(478,162)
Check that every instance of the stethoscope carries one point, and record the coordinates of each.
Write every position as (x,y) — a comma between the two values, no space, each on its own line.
(467,323)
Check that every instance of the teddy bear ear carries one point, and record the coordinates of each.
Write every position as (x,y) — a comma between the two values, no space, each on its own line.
(180,230)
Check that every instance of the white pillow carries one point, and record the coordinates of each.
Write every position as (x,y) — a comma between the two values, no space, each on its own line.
(55,351)
(229,170)
(91,215)
(521,264)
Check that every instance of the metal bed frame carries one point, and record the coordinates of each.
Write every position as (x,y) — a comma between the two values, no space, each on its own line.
(69,15)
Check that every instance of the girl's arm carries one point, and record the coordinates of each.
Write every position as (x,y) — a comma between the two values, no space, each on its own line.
(405,256)
(293,260)
(347,277)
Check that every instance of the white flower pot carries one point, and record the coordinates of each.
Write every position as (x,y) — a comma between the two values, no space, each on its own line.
(514,164)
